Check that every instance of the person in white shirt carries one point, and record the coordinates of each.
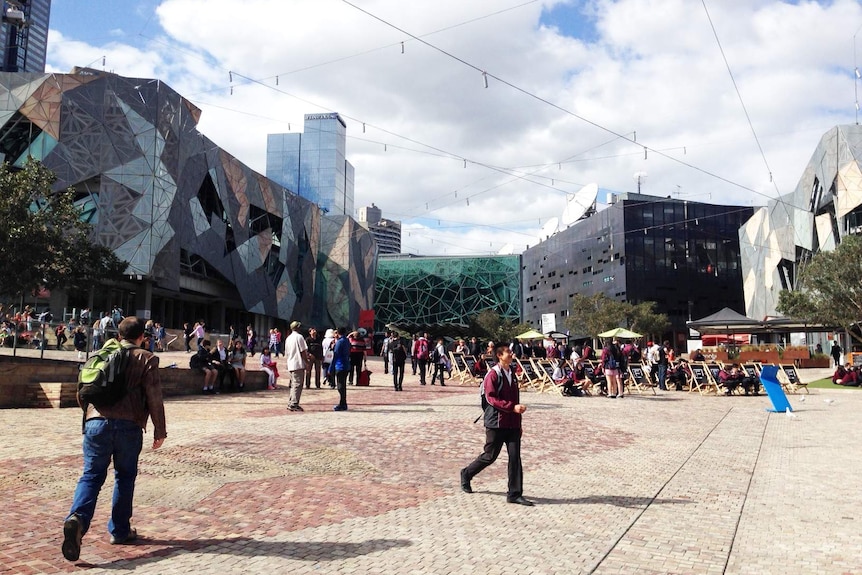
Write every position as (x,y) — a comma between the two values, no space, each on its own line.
(296,354)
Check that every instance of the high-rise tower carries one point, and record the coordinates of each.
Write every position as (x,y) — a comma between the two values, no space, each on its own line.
(313,163)
(24,35)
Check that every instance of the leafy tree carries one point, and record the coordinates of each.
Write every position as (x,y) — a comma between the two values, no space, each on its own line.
(594,314)
(597,313)
(493,326)
(646,320)
(829,290)
(44,242)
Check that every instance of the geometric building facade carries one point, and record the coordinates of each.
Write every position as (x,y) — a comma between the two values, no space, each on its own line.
(825,206)
(204,235)
(24,35)
(439,293)
(680,254)
(313,163)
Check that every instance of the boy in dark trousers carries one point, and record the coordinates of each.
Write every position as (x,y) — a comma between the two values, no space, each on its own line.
(502,426)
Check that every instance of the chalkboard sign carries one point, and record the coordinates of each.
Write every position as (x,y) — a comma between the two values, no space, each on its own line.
(856,359)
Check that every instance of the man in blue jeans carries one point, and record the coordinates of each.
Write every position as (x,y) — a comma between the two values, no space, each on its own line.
(116,432)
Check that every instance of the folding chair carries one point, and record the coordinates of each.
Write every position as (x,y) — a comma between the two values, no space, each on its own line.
(596,380)
(529,377)
(584,384)
(459,366)
(638,378)
(715,374)
(540,366)
(794,384)
(548,381)
(700,379)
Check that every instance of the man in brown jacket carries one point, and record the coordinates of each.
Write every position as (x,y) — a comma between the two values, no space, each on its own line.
(116,433)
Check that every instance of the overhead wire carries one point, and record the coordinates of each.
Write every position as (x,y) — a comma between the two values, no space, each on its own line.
(554,105)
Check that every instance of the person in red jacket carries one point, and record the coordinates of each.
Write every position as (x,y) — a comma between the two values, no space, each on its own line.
(502,426)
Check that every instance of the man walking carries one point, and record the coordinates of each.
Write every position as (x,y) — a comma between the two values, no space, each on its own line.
(420,352)
(502,426)
(296,354)
(115,433)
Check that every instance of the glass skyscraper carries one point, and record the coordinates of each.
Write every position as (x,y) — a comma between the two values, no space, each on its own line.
(313,163)
(24,35)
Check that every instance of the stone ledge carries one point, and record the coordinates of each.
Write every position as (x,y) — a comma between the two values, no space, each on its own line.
(48,383)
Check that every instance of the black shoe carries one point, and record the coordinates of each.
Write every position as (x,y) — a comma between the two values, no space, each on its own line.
(72,535)
(130,538)
(465,482)
(520,501)
(295,408)
(442,384)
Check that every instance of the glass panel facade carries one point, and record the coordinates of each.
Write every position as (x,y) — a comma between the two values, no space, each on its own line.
(313,163)
(428,291)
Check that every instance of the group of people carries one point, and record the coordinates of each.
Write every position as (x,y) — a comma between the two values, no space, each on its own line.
(847,374)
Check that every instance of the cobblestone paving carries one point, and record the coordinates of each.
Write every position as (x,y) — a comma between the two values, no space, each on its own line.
(675,483)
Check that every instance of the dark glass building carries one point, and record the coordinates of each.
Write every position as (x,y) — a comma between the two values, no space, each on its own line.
(24,35)
(682,255)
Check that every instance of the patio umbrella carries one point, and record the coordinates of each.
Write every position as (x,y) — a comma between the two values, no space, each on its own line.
(532,334)
(620,332)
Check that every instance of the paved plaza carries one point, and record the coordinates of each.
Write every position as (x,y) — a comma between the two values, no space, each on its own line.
(673,483)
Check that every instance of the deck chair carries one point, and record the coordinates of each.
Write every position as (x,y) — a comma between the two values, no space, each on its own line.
(470,364)
(584,384)
(529,377)
(794,384)
(715,373)
(597,381)
(638,379)
(700,379)
(460,369)
(169,339)
(544,368)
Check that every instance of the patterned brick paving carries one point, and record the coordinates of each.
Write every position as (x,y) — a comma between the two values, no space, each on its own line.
(675,483)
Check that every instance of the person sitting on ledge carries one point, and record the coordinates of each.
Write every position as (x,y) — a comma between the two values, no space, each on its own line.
(202,361)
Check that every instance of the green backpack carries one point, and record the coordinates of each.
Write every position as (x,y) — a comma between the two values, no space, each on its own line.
(102,379)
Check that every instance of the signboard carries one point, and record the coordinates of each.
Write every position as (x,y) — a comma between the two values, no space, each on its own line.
(366,319)
(549,322)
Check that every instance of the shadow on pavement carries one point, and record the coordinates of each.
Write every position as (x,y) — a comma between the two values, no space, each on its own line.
(247,546)
(615,500)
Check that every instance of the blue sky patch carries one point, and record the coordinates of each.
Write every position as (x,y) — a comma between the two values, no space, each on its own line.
(571,19)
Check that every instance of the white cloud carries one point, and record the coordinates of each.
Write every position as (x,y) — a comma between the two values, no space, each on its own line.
(655,69)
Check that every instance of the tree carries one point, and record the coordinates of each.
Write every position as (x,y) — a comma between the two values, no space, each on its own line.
(594,314)
(829,290)
(493,326)
(44,242)
(646,320)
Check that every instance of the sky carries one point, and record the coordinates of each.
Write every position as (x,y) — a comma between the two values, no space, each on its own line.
(473,123)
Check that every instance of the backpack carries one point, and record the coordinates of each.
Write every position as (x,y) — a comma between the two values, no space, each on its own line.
(484,400)
(435,356)
(102,379)
(423,349)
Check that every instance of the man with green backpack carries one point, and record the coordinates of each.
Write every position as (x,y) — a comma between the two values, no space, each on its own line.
(119,390)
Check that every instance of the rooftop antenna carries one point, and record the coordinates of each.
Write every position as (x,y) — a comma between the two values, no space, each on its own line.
(640,178)
(856,75)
